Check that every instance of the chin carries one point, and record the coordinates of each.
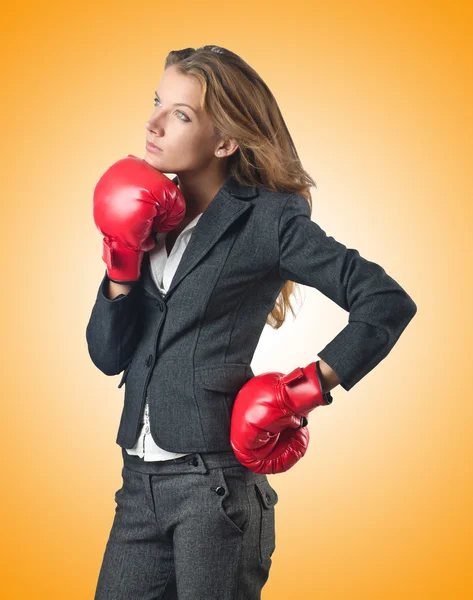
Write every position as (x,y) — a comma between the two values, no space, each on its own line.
(153,160)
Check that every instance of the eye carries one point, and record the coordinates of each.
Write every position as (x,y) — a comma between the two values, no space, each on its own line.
(186,119)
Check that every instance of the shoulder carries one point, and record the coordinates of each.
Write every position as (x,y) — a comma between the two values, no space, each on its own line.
(285,205)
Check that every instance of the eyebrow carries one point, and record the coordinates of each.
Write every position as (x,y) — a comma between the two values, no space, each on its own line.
(178,103)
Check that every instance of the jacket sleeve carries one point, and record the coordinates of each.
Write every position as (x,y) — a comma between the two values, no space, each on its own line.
(114,328)
(379,308)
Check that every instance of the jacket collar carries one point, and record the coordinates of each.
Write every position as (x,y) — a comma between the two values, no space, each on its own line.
(231,201)
(234,188)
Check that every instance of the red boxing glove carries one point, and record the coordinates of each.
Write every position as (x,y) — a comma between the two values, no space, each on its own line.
(131,200)
(268,428)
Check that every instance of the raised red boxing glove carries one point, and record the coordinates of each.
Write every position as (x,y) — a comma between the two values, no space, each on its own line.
(269,419)
(132,199)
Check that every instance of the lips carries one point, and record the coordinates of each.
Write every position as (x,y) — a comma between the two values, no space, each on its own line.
(153,145)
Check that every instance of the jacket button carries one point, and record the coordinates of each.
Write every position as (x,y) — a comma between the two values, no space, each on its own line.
(268,497)
(220,490)
(149,360)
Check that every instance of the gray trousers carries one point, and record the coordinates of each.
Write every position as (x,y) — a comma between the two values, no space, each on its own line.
(198,527)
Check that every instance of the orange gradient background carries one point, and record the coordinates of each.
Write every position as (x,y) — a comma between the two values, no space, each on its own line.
(378,98)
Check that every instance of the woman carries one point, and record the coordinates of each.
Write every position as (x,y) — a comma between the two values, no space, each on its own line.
(192,522)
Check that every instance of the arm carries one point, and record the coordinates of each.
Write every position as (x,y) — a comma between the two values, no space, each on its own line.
(114,327)
(328,377)
(379,308)
(117,290)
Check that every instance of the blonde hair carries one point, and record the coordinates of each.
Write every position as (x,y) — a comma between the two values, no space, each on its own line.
(242,107)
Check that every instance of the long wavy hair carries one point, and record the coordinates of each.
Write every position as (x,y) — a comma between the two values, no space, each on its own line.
(242,107)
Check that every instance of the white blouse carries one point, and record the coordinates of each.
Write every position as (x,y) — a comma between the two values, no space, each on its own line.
(163,268)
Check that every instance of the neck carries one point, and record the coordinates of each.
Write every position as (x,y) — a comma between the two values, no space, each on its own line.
(199,189)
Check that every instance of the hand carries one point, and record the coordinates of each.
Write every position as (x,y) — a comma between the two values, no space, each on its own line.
(132,199)
(268,427)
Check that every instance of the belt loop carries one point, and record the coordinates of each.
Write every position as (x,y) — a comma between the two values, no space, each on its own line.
(197,461)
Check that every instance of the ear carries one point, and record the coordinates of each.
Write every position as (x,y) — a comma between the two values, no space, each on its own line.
(227,148)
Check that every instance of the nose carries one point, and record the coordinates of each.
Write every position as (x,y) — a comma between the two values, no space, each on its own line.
(152,124)
(149,127)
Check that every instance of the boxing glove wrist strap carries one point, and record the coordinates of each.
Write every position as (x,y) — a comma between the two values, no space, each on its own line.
(304,390)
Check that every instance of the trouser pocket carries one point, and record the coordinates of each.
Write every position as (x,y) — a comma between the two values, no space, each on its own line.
(267,499)
(232,497)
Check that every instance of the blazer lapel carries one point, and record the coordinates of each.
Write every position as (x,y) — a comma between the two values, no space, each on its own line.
(229,203)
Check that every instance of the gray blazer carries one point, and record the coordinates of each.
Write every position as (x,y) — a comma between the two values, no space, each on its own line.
(189,352)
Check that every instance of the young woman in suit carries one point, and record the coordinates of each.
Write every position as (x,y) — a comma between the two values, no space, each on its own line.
(195,269)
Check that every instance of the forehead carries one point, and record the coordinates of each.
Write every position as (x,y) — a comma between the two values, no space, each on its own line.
(176,87)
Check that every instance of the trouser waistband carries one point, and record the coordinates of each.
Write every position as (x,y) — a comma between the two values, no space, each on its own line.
(196,462)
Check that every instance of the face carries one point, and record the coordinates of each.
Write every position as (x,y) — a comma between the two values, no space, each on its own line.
(185,135)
